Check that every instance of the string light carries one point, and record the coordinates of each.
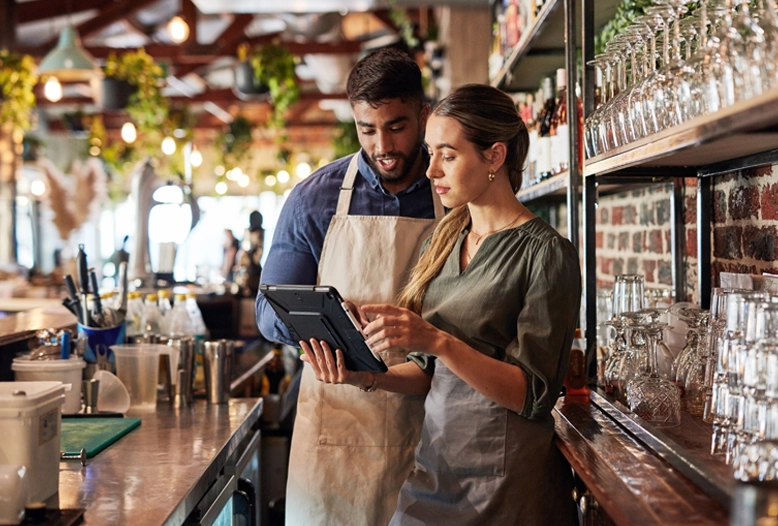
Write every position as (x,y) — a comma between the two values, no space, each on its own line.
(129,133)
(283,176)
(168,146)
(196,158)
(221,188)
(303,170)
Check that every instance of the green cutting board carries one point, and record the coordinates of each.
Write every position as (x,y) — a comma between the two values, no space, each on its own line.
(93,434)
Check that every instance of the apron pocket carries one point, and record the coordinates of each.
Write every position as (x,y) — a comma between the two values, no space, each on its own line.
(464,432)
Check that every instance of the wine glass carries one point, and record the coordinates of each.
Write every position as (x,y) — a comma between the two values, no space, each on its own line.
(653,398)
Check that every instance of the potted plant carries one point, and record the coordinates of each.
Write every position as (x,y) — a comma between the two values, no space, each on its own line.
(145,103)
(17,80)
(235,142)
(246,82)
(274,67)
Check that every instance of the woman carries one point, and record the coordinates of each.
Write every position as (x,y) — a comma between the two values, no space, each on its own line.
(489,317)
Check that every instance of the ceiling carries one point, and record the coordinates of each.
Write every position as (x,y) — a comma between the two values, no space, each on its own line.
(328,36)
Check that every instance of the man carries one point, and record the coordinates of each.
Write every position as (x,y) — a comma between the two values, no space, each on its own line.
(357,224)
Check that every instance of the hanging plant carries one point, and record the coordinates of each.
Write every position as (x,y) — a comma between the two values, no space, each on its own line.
(17,79)
(235,142)
(147,107)
(274,67)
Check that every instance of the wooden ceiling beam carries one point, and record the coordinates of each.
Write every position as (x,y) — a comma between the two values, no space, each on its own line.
(227,43)
(114,12)
(210,52)
(36,10)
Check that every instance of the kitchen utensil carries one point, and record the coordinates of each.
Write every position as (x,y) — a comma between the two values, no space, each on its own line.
(91,389)
(112,397)
(83,282)
(217,356)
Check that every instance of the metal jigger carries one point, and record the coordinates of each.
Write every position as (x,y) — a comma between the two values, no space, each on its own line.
(91,388)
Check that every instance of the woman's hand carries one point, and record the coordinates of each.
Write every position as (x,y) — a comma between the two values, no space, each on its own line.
(398,327)
(331,369)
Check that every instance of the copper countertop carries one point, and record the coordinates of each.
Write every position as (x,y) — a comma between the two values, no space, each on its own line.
(158,472)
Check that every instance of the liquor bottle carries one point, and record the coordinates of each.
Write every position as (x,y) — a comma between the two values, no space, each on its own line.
(560,131)
(544,167)
(575,379)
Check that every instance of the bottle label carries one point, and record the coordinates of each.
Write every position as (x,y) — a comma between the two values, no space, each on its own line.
(562,148)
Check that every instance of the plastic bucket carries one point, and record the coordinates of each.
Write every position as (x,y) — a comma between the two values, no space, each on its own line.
(99,341)
(65,371)
(137,366)
(30,418)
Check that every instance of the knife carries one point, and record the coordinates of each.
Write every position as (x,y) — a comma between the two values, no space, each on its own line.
(122,282)
(83,282)
(97,303)
(74,303)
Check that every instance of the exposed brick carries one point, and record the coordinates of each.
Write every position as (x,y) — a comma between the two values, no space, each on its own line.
(630,214)
(690,209)
(654,241)
(756,172)
(668,242)
(606,266)
(632,265)
(604,215)
(719,207)
(744,202)
(618,215)
(690,182)
(731,176)
(769,202)
(691,242)
(649,266)
(623,240)
(611,240)
(663,211)
(719,266)
(618,266)
(759,243)
(647,215)
(598,239)
(637,242)
(665,274)
(726,242)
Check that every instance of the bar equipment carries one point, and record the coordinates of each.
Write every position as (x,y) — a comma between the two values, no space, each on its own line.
(217,359)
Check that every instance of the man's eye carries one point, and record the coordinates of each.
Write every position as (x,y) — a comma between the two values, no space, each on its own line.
(367,132)
(397,129)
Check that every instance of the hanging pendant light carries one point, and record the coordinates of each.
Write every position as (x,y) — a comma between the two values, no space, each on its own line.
(69,61)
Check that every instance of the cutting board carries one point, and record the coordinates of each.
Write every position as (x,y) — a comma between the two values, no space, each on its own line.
(93,434)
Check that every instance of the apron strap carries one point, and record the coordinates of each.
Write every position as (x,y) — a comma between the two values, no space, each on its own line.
(347,189)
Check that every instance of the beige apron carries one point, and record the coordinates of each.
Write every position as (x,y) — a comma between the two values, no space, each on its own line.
(351,451)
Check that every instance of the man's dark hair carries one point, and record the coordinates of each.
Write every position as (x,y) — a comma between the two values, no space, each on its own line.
(383,75)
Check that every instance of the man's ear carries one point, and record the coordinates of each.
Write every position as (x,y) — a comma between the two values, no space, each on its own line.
(424,114)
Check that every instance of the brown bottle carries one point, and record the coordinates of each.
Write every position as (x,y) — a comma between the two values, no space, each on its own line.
(575,379)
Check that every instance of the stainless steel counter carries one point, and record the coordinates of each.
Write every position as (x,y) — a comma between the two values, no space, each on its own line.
(160,471)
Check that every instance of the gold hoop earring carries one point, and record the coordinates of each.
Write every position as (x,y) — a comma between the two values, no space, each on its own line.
(491,177)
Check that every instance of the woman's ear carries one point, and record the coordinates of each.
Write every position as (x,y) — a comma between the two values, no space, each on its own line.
(497,154)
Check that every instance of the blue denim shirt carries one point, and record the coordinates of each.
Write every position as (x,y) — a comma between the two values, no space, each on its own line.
(294,254)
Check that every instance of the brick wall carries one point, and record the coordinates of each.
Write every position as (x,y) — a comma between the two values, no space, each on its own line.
(633,230)
(633,236)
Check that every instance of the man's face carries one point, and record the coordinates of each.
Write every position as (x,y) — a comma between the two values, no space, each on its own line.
(391,135)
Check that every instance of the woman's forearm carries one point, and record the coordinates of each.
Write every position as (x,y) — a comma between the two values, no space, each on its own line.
(405,378)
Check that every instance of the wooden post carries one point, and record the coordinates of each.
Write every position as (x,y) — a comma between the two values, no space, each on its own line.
(8,156)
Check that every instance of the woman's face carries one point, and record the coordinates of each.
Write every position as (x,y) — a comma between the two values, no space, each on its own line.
(457,169)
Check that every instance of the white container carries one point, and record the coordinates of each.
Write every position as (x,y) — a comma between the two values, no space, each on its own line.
(30,422)
(65,371)
(13,492)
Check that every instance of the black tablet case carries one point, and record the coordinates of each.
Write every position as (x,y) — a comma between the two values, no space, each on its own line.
(315,312)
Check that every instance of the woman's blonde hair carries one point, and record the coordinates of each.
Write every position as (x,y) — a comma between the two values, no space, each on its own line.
(487,116)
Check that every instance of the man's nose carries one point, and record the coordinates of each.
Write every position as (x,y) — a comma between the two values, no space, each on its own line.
(384,143)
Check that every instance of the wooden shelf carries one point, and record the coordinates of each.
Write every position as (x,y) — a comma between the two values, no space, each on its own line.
(553,186)
(541,48)
(746,128)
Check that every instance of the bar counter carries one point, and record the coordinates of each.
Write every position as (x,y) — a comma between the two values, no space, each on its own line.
(159,472)
(627,479)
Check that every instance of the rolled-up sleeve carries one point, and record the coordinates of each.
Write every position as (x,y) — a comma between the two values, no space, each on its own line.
(546,324)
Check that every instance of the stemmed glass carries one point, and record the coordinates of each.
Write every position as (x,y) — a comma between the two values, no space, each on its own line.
(593,140)
(610,127)
(652,397)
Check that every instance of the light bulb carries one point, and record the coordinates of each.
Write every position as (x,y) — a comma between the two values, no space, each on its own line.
(282,176)
(53,89)
(196,158)
(221,188)
(219,170)
(37,188)
(303,170)
(270,180)
(243,180)
(129,134)
(168,146)
(178,29)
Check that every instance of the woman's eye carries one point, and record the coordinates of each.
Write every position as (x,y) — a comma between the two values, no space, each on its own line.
(448,158)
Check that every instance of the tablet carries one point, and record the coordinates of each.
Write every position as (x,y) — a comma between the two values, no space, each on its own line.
(319,312)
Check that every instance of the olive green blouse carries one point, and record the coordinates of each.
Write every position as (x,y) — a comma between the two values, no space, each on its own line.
(517,301)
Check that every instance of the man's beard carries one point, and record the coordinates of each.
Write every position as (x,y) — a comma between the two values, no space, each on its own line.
(406,161)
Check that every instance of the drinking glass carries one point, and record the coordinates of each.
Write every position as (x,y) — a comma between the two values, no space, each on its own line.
(652,397)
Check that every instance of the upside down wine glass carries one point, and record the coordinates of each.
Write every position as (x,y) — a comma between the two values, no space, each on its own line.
(653,398)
